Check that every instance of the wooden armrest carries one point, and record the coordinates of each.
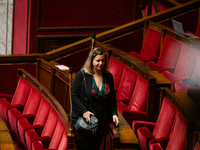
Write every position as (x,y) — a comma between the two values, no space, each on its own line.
(113,133)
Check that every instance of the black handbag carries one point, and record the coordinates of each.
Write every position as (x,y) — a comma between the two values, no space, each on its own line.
(81,124)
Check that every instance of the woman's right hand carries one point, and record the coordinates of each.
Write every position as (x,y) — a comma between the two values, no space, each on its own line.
(87,115)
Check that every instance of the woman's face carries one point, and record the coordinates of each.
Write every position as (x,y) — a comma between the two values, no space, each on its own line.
(98,62)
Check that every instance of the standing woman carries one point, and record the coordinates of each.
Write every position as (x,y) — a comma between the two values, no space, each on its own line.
(99,100)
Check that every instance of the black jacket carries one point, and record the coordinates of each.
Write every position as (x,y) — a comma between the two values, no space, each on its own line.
(82,100)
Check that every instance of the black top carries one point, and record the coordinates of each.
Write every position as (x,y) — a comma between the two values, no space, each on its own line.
(82,100)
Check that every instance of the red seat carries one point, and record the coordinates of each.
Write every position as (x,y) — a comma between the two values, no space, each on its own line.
(177,136)
(161,130)
(53,135)
(150,48)
(184,67)
(29,111)
(41,116)
(191,86)
(126,85)
(168,56)
(136,109)
(116,69)
(18,101)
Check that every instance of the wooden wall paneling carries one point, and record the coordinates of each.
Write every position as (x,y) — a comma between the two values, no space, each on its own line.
(46,43)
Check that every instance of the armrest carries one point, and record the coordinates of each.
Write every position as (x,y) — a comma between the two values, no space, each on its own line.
(113,133)
(8,97)
(38,129)
(162,141)
(45,141)
(29,117)
(125,101)
(137,124)
(154,59)
(130,116)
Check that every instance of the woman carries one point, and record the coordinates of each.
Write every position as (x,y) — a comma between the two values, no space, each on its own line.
(99,99)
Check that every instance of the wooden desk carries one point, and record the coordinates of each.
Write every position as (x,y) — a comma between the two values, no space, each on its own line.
(124,138)
(6,141)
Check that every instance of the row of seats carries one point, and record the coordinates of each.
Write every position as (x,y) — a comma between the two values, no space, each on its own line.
(33,121)
(131,91)
(177,61)
(172,129)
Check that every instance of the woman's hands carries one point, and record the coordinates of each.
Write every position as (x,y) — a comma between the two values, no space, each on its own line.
(87,115)
(116,120)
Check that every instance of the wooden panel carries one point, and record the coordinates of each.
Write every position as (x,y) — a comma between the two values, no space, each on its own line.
(48,43)
(72,15)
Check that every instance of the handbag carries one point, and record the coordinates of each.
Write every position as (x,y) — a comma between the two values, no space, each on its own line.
(81,124)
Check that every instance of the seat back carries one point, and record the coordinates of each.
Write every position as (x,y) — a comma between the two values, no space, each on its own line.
(186,62)
(165,120)
(169,53)
(178,133)
(116,69)
(126,85)
(33,102)
(151,45)
(139,97)
(196,73)
(21,93)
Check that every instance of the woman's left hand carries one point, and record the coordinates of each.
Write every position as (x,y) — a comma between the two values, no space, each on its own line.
(116,120)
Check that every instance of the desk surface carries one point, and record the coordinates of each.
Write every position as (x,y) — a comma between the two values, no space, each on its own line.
(6,141)
(127,138)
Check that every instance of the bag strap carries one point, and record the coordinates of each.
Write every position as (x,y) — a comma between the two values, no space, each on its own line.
(84,80)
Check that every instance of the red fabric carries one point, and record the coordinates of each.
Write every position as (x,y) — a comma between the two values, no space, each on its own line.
(162,128)
(135,88)
(30,109)
(139,97)
(155,146)
(40,119)
(178,135)
(165,120)
(144,136)
(186,62)
(126,85)
(150,47)
(168,56)
(137,124)
(116,69)
(19,99)
(53,128)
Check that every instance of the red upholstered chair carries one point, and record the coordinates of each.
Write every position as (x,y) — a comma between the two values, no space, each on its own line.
(29,111)
(191,86)
(116,69)
(136,109)
(184,67)
(177,136)
(23,124)
(53,135)
(160,130)
(168,56)
(126,85)
(18,101)
(150,48)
